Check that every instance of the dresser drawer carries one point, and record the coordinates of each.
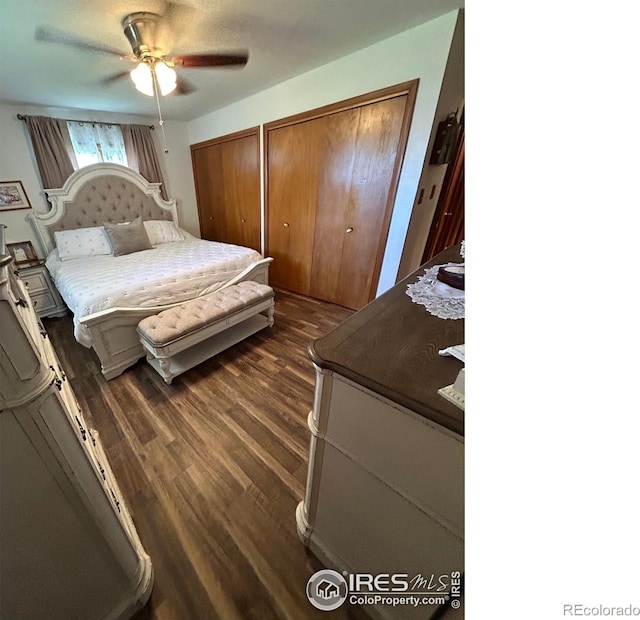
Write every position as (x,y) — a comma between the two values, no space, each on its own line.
(363,525)
(112,488)
(43,301)
(419,459)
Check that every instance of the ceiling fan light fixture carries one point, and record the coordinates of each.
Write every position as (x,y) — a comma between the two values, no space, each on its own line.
(149,35)
(143,79)
(166,77)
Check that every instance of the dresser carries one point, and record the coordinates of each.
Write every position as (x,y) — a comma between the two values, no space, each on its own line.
(385,484)
(70,548)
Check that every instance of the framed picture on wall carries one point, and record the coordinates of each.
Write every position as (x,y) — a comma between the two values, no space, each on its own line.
(13,196)
(22,252)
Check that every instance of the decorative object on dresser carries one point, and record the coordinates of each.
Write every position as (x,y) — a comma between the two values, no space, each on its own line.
(454,393)
(110,291)
(44,295)
(13,196)
(385,484)
(440,288)
(453,275)
(70,548)
(184,336)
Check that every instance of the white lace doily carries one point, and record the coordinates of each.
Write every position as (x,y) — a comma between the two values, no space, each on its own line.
(438,298)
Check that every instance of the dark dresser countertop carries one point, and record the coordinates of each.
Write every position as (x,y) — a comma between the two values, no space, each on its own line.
(391,347)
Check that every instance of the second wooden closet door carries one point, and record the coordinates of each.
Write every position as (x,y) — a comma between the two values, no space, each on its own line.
(227,178)
(293,166)
(330,182)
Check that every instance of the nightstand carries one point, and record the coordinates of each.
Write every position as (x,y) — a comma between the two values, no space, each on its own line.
(46,299)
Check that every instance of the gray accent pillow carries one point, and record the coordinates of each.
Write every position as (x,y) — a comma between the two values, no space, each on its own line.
(128,238)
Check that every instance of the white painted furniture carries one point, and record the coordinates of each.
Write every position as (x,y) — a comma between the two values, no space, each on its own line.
(69,545)
(186,335)
(385,485)
(46,299)
(112,193)
(114,331)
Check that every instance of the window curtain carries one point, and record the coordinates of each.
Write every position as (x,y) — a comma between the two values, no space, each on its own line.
(141,154)
(52,148)
(84,143)
(112,141)
(86,137)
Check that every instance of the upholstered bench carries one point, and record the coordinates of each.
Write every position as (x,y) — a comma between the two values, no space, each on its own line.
(182,337)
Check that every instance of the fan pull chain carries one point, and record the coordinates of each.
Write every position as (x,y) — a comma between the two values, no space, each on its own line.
(160,121)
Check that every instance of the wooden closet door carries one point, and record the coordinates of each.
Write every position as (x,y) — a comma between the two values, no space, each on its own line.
(207,165)
(331,180)
(354,188)
(227,177)
(294,162)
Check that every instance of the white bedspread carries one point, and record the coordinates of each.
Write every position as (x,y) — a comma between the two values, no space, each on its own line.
(169,273)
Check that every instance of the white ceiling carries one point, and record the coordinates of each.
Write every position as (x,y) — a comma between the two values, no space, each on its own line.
(284,38)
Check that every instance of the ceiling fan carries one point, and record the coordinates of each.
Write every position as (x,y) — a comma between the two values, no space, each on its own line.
(148,35)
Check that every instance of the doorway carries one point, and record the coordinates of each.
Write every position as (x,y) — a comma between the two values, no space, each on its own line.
(447,228)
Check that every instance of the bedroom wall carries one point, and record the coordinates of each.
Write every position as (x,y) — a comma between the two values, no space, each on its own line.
(420,52)
(451,100)
(17,163)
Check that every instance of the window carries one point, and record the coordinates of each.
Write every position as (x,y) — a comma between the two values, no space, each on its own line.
(96,142)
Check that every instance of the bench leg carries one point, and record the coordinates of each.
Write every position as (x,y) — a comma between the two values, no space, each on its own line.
(165,366)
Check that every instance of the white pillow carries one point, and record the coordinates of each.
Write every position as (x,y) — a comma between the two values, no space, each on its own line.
(162,231)
(82,242)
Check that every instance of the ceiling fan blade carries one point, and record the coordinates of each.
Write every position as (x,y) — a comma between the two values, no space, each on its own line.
(183,87)
(211,60)
(53,35)
(107,80)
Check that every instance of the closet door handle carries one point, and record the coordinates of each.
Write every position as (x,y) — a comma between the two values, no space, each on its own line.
(243,220)
(286,224)
(350,229)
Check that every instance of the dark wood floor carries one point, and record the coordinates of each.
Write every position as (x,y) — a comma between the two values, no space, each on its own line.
(213,466)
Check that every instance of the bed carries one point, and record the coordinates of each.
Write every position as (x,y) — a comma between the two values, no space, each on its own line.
(110,294)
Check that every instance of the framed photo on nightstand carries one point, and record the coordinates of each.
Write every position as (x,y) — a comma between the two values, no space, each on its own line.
(22,252)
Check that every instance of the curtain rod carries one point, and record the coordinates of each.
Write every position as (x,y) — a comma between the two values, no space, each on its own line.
(24,118)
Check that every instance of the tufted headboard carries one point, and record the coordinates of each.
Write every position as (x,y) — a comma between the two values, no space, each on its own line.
(98,194)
